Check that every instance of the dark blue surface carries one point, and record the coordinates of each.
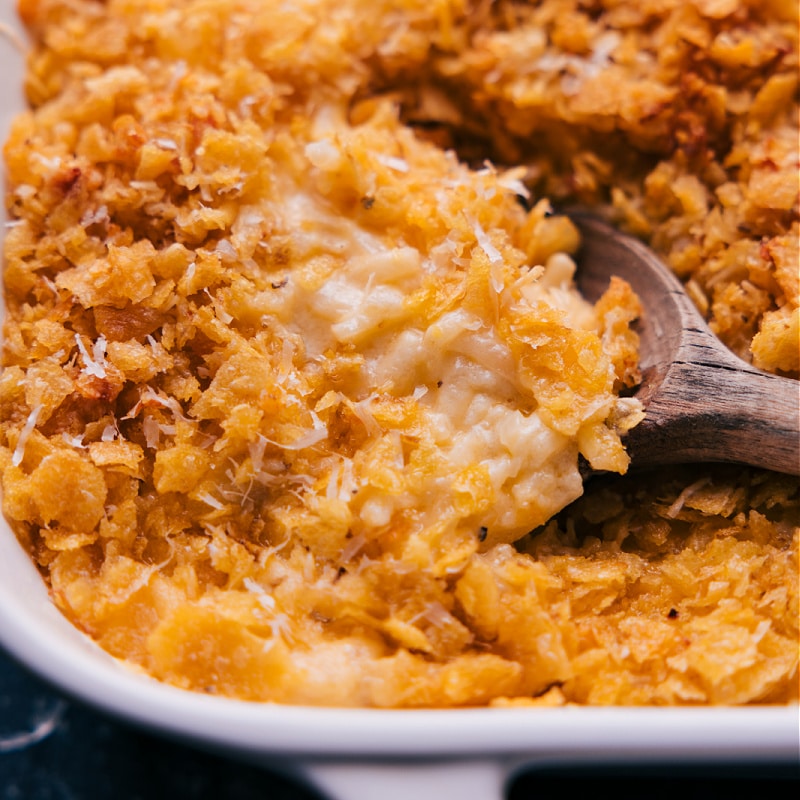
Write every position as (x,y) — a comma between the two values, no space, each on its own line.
(54,749)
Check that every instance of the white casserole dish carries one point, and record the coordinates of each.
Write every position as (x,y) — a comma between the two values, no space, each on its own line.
(355,754)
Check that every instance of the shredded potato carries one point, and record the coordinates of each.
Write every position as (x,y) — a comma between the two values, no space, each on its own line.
(296,382)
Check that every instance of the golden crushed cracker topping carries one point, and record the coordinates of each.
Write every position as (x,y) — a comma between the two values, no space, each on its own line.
(284,379)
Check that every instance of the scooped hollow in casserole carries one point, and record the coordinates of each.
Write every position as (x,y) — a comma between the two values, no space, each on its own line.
(284,381)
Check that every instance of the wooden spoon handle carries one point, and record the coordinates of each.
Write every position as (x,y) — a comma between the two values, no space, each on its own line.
(702,403)
(712,411)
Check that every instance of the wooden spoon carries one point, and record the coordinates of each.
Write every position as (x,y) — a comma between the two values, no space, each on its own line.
(702,403)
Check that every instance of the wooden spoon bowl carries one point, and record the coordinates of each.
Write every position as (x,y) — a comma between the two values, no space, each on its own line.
(702,403)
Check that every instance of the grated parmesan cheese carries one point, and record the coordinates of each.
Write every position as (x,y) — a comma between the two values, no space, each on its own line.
(24,434)
(94,364)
